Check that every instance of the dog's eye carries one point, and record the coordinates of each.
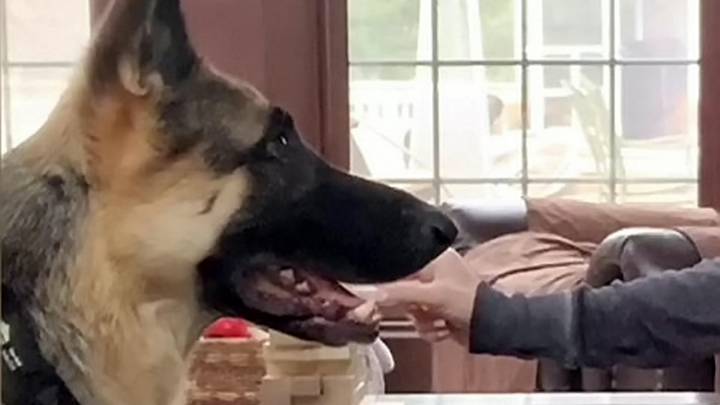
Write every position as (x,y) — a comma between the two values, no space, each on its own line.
(279,143)
(275,147)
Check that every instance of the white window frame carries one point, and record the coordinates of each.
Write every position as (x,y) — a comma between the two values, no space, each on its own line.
(612,63)
(7,140)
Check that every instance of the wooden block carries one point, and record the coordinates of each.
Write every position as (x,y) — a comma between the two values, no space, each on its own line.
(316,361)
(305,386)
(342,390)
(305,369)
(276,391)
(306,373)
(313,361)
(281,340)
(311,354)
(331,390)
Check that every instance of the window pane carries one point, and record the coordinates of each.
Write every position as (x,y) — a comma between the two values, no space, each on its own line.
(47,31)
(423,191)
(597,192)
(683,194)
(4,87)
(570,151)
(479,29)
(569,122)
(576,29)
(479,191)
(389,30)
(480,122)
(34,92)
(657,110)
(666,29)
(4,138)
(391,122)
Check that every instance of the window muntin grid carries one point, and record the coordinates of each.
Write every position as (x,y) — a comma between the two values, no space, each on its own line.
(616,181)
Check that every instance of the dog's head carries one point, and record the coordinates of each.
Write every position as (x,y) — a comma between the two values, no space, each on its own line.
(199,177)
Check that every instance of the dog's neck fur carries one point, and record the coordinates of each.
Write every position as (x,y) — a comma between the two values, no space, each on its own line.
(114,339)
(137,336)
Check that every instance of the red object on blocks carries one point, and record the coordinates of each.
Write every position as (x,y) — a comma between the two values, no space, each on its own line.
(229,328)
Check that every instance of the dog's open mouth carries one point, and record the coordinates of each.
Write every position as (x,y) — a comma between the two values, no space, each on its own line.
(300,303)
(311,305)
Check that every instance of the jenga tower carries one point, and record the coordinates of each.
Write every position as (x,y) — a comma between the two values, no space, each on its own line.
(307,373)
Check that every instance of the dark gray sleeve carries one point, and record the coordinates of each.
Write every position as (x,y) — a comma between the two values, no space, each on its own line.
(656,321)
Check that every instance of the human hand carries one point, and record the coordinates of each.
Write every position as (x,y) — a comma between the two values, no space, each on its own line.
(439,299)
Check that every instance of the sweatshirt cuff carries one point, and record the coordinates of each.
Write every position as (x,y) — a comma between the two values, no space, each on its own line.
(520,326)
(491,322)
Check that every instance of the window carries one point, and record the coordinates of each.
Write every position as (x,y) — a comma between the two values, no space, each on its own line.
(41,42)
(588,99)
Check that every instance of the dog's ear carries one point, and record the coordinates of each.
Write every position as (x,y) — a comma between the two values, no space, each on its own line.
(142,45)
(140,53)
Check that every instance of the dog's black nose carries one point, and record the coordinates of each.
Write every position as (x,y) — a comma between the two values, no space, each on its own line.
(440,228)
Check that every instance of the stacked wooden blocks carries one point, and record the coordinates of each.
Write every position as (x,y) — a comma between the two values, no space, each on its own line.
(306,373)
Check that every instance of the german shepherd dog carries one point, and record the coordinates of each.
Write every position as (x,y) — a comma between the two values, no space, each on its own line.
(161,195)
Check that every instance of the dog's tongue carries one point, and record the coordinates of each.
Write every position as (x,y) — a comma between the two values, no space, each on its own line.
(341,302)
(332,300)
(341,315)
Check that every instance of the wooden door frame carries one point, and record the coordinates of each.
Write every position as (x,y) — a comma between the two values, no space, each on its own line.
(709,119)
(295,52)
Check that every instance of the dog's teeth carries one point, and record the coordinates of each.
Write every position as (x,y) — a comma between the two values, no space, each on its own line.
(287,277)
(364,312)
(303,288)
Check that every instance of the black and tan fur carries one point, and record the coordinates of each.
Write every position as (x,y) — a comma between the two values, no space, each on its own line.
(157,195)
